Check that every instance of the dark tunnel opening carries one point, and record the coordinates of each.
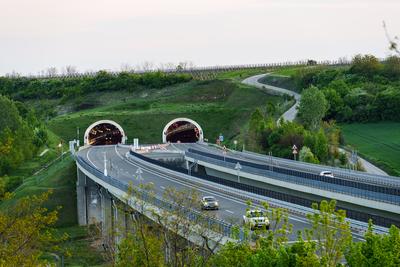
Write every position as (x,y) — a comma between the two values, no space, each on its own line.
(104,134)
(182,132)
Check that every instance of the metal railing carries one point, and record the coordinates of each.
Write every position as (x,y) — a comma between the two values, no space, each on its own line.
(296,177)
(314,168)
(220,226)
(295,205)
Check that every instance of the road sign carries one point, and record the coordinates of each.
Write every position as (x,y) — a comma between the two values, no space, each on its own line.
(221,138)
(294,147)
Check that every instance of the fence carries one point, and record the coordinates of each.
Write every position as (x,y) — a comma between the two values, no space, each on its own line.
(219,226)
(358,189)
(201,70)
(314,168)
(353,214)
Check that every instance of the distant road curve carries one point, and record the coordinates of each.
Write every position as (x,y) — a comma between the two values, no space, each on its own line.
(291,113)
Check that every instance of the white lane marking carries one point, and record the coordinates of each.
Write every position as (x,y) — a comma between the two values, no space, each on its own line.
(87,156)
(231,212)
(233,199)
(163,176)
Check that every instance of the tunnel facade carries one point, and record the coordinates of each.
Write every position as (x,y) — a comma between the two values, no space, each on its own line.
(182,130)
(104,132)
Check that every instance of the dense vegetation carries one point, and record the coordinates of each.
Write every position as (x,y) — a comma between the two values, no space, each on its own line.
(319,145)
(21,134)
(64,89)
(368,91)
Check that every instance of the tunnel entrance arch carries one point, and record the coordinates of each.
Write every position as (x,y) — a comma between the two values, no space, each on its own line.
(104,132)
(182,130)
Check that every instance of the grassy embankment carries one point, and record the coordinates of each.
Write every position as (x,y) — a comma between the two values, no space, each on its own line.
(377,142)
(219,106)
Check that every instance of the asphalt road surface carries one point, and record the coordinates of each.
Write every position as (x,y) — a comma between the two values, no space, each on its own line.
(231,209)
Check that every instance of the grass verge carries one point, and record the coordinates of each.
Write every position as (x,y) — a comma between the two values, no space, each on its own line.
(377,142)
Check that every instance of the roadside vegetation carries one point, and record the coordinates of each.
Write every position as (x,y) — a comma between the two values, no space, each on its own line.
(38,114)
(143,109)
(368,91)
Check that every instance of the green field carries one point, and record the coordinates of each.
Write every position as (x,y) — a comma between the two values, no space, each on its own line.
(218,106)
(378,142)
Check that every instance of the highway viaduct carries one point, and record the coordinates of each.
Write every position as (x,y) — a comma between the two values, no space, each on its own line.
(106,167)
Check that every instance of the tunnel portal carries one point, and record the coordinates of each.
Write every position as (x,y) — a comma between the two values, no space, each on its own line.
(104,133)
(182,130)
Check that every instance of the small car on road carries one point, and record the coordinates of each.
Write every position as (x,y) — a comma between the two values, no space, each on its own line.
(209,203)
(256,219)
(327,174)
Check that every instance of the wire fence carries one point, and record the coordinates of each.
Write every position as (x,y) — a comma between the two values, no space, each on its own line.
(196,71)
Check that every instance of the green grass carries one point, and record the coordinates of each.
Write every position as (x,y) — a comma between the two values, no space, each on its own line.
(279,81)
(218,106)
(378,142)
(61,178)
(239,75)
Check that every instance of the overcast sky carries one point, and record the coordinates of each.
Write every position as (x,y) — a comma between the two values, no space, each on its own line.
(105,34)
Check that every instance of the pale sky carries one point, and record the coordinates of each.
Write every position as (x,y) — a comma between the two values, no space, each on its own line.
(106,34)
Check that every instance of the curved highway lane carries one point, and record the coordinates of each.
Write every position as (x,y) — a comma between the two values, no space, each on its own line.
(120,167)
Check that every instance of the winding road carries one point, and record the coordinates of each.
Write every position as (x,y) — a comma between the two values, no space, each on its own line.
(291,113)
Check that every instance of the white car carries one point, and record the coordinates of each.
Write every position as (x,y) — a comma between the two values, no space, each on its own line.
(327,174)
(209,203)
(256,219)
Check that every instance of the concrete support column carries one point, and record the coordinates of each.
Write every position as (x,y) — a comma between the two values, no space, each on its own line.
(81,198)
(93,202)
(120,223)
(106,217)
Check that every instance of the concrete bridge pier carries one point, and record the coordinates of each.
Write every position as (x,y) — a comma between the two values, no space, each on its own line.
(93,201)
(107,220)
(81,198)
(120,221)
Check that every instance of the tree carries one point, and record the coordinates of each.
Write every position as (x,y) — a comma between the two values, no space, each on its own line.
(394,42)
(25,231)
(321,148)
(377,250)
(366,65)
(312,108)
(331,232)
(306,155)
(391,67)
(256,127)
